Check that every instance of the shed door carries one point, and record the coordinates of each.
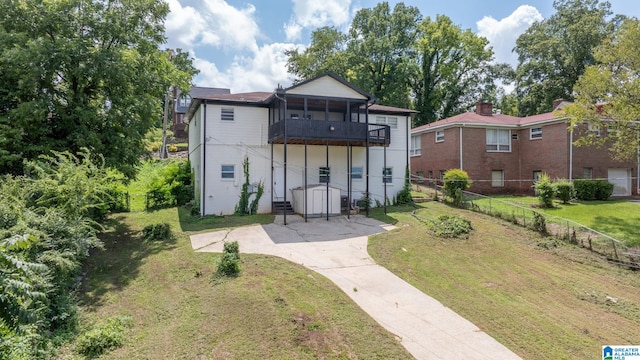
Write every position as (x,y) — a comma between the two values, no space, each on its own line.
(621,180)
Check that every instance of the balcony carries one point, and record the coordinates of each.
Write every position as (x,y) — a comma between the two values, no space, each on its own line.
(335,133)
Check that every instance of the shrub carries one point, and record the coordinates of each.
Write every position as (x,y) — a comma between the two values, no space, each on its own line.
(229,266)
(593,189)
(564,190)
(157,232)
(172,148)
(455,182)
(545,190)
(104,337)
(404,195)
(450,226)
(539,223)
(172,186)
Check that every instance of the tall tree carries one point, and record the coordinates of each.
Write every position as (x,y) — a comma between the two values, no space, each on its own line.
(325,53)
(454,70)
(607,93)
(83,74)
(553,53)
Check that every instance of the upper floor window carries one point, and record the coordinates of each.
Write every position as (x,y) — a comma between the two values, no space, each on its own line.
(392,121)
(440,136)
(387,175)
(184,100)
(324,175)
(594,129)
(416,145)
(535,133)
(356,173)
(498,140)
(226,114)
(227,171)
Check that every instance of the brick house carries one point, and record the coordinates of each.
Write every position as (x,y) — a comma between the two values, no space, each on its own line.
(505,154)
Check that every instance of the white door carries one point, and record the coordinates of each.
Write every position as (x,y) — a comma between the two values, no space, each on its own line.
(278,184)
(621,180)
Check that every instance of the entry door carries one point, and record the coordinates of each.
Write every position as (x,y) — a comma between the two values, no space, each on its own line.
(621,180)
(278,183)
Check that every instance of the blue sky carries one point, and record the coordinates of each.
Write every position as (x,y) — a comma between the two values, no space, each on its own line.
(240,44)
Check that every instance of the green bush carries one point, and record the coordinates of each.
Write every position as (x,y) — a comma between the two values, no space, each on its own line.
(539,223)
(232,248)
(404,195)
(564,190)
(102,338)
(157,232)
(455,182)
(593,189)
(450,226)
(172,186)
(229,263)
(545,191)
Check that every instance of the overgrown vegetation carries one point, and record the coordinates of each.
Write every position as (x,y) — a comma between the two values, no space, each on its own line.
(173,185)
(157,232)
(544,189)
(245,206)
(450,226)
(49,223)
(404,195)
(229,263)
(103,337)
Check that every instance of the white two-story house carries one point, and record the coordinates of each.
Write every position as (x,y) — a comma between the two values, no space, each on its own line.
(317,148)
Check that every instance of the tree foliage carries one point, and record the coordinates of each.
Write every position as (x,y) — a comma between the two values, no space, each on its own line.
(607,94)
(83,74)
(404,60)
(553,53)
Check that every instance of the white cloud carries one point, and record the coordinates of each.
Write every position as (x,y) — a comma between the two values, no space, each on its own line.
(502,34)
(262,71)
(311,14)
(215,23)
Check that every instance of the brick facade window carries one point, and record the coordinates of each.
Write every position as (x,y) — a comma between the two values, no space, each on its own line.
(416,146)
(535,133)
(587,173)
(498,140)
(497,178)
(440,136)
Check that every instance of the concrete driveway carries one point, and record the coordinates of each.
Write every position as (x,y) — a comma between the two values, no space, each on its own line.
(337,249)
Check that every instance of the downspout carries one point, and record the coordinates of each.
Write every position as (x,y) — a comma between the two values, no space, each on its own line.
(408,137)
(384,171)
(460,140)
(366,197)
(326,118)
(571,155)
(203,204)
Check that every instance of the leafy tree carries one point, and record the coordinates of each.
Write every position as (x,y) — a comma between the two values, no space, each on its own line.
(608,93)
(553,53)
(454,70)
(325,53)
(455,182)
(83,74)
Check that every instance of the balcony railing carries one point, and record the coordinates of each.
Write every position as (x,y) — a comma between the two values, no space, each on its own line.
(334,132)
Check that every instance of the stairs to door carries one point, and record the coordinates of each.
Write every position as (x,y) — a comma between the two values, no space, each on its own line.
(280,207)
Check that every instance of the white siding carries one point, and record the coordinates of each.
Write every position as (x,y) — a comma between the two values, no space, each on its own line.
(195,151)
(327,86)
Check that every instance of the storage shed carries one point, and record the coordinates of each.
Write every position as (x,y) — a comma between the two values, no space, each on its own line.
(316,198)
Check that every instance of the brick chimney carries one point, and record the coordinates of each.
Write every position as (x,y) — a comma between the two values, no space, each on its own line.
(556,103)
(484,108)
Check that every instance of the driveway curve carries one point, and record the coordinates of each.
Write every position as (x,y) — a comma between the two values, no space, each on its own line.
(337,249)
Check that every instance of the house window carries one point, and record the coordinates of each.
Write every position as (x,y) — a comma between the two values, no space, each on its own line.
(594,129)
(535,133)
(387,175)
(430,175)
(497,178)
(324,175)
(440,136)
(442,174)
(392,121)
(587,173)
(356,173)
(514,136)
(498,140)
(536,175)
(416,146)
(226,114)
(420,177)
(227,171)
(184,101)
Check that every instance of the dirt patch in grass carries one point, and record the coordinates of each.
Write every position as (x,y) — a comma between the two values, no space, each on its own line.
(540,301)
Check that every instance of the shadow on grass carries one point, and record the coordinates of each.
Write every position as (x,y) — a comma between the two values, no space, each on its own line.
(118,264)
(195,223)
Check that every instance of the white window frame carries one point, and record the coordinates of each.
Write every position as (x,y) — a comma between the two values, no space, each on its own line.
(589,171)
(497,182)
(387,175)
(416,145)
(324,174)
(357,174)
(535,133)
(499,146)
(392,121)
(184,101)
(227,114)
(226,170)
(439,136)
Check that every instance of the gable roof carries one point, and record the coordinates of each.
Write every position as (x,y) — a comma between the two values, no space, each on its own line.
(325,85)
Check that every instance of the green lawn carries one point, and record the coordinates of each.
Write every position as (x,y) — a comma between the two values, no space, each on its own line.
(617,218)
(563,302)
(274,309)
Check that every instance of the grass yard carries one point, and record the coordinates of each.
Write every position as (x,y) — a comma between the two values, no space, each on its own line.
(274,309)
(617,218)
(562,302)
